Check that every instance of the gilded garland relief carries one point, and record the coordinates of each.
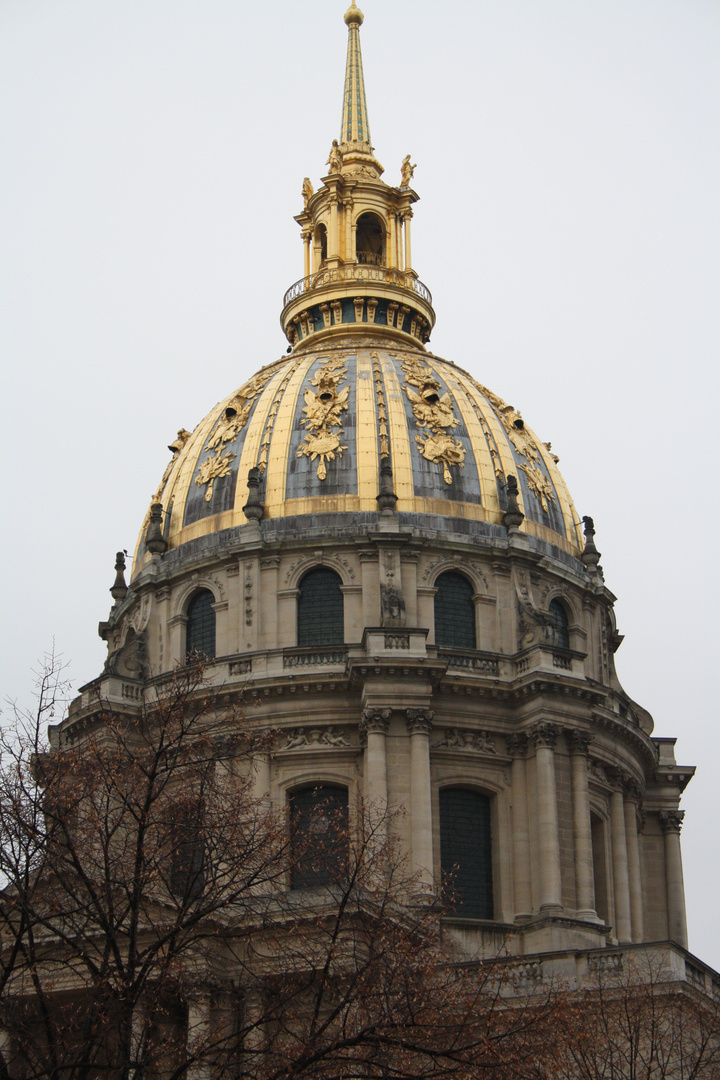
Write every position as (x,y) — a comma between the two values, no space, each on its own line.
(233,420)
(525,445)
(323,414)
(434,413)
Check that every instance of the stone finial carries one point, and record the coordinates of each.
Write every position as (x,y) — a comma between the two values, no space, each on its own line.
(513,516)
(253,508)
(387,498)
(119,588)
(590,555)
(154,539)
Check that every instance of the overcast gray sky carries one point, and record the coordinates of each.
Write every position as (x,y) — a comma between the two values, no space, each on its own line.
(569,169)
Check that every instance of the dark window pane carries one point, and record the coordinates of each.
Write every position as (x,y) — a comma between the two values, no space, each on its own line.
(318,826)
(466,852)
(200,637)
(560,624)
(320,609)
(187,870)
(454,612)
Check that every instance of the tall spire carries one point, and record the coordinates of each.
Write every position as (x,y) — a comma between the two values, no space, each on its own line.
(354,154)
(357,258)
(355,127)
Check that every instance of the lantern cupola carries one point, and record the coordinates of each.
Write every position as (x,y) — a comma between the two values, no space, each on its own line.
(356,234)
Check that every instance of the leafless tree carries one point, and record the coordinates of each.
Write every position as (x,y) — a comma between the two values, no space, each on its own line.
(149,927)
(634,1019)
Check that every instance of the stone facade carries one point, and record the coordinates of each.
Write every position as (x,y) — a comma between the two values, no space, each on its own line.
(364,454)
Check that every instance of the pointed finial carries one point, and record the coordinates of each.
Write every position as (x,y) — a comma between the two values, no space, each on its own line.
(590,555)
(387,498)
(119,588)
(155,542)
(254,507)
(354,15)
(513,516)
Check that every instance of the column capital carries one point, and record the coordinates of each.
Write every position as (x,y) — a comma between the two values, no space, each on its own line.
(671,820)
(419,720)
(517,744)
(579,741)
(544,734)
(375,718)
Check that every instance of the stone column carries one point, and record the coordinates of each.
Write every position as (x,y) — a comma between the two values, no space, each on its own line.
(419,722)
(621,880)
(198,1035)
(333,231)
(522,889)
(391,240)
(261,776)
(408,250)
(545,736)
(633,796)
(350,232)
(267,603)
(254,1034)
(671,824)
(306,236)
(582,829)
(373,726)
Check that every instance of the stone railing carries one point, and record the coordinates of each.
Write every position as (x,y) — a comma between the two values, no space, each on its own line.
(469,660)
(321,657)
(361,273)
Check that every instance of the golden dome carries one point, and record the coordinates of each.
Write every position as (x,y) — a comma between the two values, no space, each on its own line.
(358,392)
(319,423)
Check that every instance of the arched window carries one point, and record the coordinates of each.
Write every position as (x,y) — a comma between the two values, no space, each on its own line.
(319,835)
(320,246)
(454,612)
(320,609)
(200,634)
(370,240)
(466,852)
(560,624)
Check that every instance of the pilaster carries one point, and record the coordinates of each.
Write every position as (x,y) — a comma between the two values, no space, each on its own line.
(544,735)
(582,830)
(671,824)
(419,722)
(522,887)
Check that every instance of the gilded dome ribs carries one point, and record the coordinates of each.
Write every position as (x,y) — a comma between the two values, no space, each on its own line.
(272,415)
(381,406)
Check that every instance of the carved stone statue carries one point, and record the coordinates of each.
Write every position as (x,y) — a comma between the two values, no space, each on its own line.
(333,737)
(307,191)
(534,625)
(129,661)
(392,606)
(335,159)
(296,738)
(407,171)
